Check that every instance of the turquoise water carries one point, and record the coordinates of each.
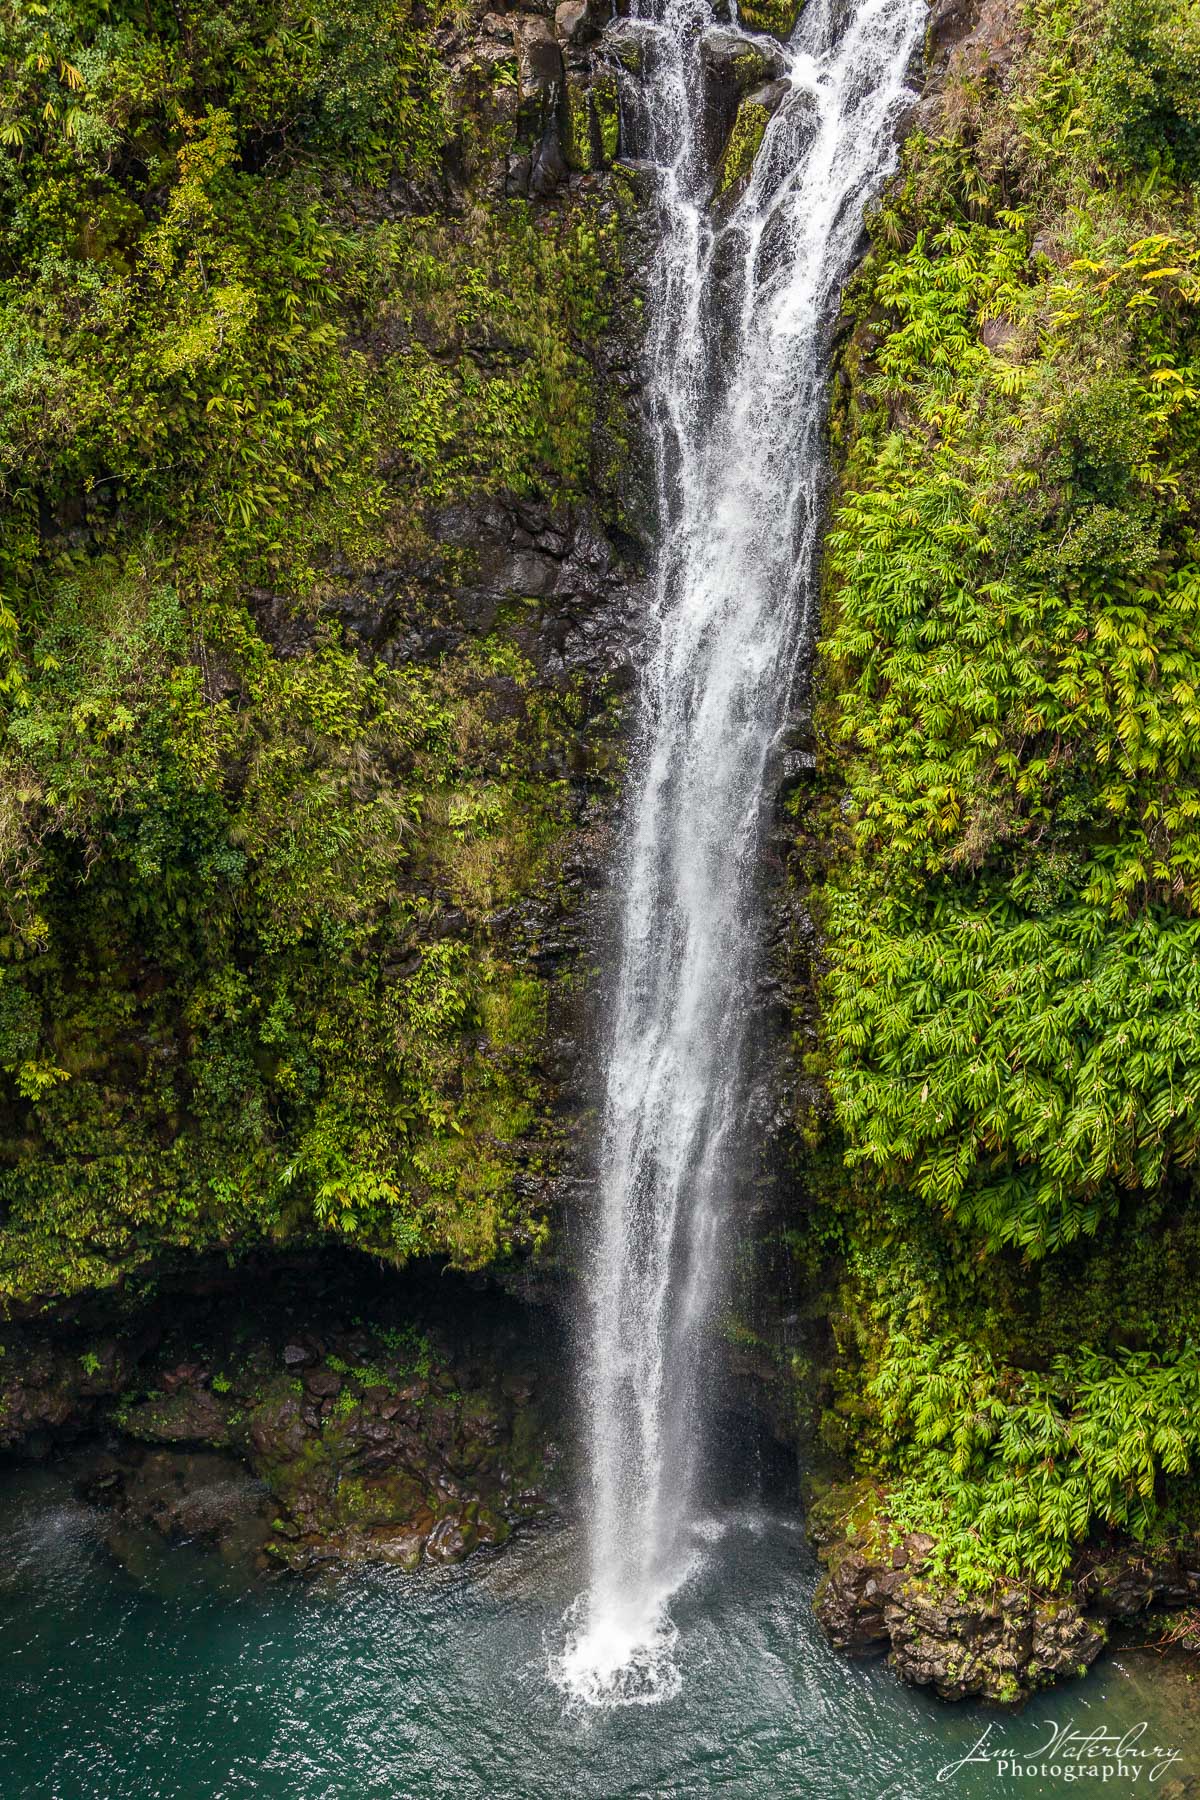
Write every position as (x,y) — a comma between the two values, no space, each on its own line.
(172,1676)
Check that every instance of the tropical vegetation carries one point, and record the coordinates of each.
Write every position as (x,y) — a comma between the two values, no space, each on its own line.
(261,315)
(1010,687)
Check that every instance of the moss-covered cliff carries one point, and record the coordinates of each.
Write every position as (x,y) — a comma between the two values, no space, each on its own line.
(314,383)
(1000,849)
(317,377)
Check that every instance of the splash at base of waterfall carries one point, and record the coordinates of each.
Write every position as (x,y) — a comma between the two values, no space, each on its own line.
(621,1648)
(617,1655)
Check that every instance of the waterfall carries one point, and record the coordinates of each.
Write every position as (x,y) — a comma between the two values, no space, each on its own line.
(744,290)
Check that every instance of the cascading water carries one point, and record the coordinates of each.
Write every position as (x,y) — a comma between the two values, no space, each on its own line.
(743,296)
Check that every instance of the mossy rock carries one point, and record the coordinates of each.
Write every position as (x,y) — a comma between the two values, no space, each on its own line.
(838,1513)
(627,49)
(191,1416)
(734,64)
(607,113)
(776,17)
(590,123)
(743,145)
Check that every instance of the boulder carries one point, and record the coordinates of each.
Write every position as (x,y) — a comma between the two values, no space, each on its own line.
(736,163)
(184,1495)
(853,1618)
(548,167)
(733,67)
(539,62)
(579,22)
(774,18)
(451,1539)
(732,61)
(999,1648)
(879,1596)
(188,1415)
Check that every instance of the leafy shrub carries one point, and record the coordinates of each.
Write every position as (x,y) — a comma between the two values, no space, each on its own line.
(1012,1469)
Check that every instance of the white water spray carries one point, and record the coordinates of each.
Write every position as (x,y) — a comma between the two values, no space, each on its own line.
(741,309)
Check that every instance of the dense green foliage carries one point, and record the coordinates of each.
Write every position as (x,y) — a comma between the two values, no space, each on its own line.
(262,309)
(1022,1468)
(1011,682)
(248,335)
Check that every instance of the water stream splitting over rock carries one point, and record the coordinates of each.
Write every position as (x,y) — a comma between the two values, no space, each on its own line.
(743,295)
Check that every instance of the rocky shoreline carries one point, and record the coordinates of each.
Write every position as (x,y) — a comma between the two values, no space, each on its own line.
(879,1596)
(315,1415)
(329,1424)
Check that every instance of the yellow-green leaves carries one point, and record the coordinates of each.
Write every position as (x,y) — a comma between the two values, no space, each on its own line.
(1010,1469)
(1013,660)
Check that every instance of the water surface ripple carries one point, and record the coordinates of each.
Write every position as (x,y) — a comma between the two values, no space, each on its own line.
(173,1678)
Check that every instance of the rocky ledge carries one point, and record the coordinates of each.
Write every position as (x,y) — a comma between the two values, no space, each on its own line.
(302,1429)
(879,1596)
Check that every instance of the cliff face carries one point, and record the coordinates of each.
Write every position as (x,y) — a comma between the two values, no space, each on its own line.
(294,1412)
(993,1216)
(320,594)
(320,581)
(319,599)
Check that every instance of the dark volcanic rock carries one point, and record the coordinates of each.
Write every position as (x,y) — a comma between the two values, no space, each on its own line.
(186,1496)
(579,22)
(998,1649)
(879,1597)
(732,61)
(46,1386)
(850,1604)
(548,168)
(389,1440)
(499,555)
(733,68)
(192,1414)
